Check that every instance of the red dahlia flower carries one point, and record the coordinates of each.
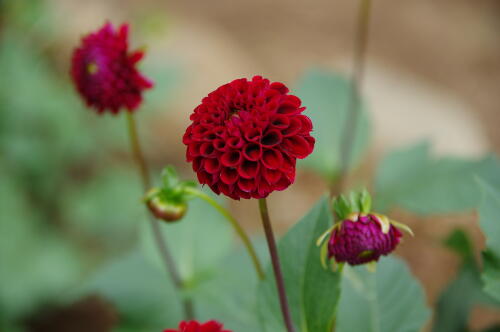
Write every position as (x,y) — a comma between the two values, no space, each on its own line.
(194,326)
(246,136)
(362,239)
(105,73)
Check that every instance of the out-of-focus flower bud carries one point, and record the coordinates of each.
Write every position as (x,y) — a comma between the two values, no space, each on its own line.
(169,202)
(359,236)
(164,209)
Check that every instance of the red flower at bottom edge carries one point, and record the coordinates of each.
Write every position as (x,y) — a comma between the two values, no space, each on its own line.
(194,326)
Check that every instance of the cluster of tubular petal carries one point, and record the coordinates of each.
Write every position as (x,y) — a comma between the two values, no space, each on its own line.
(194,326)
(105,74)
(363,238)
(246,136)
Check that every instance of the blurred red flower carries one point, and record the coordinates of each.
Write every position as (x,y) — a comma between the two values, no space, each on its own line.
(194,326)
(246,136)
(105,74)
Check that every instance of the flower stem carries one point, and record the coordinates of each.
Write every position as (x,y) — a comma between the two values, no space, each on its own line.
(273,251)
(165,254)
(237,227)
(354,107)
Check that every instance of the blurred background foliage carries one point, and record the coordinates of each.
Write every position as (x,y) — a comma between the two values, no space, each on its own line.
(76,253)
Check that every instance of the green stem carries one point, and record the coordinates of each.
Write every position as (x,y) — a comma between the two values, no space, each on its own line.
(349,134)
(165,254)
(278,275)
(354,107)
(237,227)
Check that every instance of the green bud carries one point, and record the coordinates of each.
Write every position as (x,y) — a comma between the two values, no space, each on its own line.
(165,210)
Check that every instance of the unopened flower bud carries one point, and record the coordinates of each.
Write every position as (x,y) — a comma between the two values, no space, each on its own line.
(167,211)
(359,236)
(362,240)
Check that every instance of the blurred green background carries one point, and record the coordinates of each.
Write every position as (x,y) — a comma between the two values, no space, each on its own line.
(75,252)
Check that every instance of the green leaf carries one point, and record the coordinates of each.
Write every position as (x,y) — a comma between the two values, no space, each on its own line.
(456,302)
(412,179)
(459,242)
(388,300)
(326,96)
(464,292)
(491,274)
(494,328)
(489,212)
(313,292)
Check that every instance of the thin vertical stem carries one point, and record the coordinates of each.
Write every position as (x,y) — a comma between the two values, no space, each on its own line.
(354,107)
(237,227)
(165,254)
(278,275)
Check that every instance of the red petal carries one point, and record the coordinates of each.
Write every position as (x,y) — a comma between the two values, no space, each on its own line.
(248,169)
(272,176)
(279,87)
(247,185)
(293,128)
(280,121)
(252,151)
(229,175)
(271,138)
(231,158)
(207,150)
(212,165)
(272,159)
(298,146)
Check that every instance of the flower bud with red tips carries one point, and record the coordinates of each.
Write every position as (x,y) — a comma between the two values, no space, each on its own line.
(359,236)
(194,326)
(105,73)
(246,136)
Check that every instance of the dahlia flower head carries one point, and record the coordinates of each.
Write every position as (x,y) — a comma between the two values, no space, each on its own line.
(246,136)
(359,236)
(104,71)
(194,326)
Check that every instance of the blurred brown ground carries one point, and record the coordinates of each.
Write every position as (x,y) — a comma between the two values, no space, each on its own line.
(436,61)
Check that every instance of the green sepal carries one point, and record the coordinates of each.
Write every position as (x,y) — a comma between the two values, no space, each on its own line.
(402,226)
(365,202)
(358,202)
(169,177)
(323,255)
(342,207)
(323,236)
(336,267)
